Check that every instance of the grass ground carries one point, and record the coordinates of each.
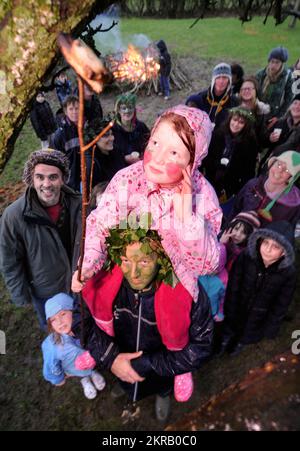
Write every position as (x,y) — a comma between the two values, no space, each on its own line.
(26,401)
(220,38)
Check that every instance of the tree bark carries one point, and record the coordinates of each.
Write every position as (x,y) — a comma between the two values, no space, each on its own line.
(28,48)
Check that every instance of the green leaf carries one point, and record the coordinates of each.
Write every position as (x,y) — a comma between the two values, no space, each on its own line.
(146,248)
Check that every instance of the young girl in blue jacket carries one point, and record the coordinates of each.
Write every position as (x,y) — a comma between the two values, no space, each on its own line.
(62,353)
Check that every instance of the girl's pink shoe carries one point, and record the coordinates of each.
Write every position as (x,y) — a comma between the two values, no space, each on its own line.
(183,387)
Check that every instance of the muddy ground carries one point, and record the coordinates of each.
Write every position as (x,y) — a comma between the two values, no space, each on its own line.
(27,402)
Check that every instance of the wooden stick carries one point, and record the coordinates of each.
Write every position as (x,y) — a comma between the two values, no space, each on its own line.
(84,198)
(92,170)
(83,174)
(90,144)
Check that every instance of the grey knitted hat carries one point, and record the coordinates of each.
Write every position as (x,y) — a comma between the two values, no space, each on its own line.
(46,156)
(222,70)
(279,53)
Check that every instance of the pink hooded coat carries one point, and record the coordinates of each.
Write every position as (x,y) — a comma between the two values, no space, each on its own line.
(192,246)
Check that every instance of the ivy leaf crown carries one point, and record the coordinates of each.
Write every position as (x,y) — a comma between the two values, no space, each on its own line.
(137,230)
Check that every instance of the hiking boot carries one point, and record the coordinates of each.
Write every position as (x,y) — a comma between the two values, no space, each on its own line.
(183,387)
(162,408)
(98,380)
(117,391)
(88,388)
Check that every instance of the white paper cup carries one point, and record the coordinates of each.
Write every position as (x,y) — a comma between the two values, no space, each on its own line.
(277,131)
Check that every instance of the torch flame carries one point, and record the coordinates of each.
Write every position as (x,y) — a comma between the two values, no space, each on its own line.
(132,66)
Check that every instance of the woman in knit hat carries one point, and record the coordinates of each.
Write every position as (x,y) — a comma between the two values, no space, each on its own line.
(131,135)
(217,99)
(275,84)
(274,196)
(232,153)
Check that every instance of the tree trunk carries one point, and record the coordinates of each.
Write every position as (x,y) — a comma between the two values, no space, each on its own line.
(293,20)
(28,32)
(150,7)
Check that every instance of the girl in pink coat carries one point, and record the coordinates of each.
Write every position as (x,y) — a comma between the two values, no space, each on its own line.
(183,205)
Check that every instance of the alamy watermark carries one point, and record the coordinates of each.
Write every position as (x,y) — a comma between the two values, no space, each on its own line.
(296,344)
(126,207)
(2,342)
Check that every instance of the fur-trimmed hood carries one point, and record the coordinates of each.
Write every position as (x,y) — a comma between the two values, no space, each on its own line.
(280,231)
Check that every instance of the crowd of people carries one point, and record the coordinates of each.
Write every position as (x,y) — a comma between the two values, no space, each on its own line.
(190,229)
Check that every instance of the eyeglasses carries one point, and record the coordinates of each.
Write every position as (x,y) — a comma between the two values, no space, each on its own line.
(282,167)
(247,89)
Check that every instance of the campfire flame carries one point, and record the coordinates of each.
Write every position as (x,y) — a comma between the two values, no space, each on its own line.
(134,66)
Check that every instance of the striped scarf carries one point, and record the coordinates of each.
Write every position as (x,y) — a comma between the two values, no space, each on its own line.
(219,104)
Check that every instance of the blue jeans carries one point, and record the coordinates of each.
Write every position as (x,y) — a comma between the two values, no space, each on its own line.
(165,85)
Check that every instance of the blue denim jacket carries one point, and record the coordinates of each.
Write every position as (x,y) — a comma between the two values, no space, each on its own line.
(59,359)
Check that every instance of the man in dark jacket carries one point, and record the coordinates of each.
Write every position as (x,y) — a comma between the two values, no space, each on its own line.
(42,119)
(66,140)
(146,332)
(261,286)
(40,233)
(217,99)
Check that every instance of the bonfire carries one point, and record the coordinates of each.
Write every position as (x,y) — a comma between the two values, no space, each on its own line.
(136,69)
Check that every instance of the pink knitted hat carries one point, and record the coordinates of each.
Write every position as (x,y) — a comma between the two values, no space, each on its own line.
(250,217)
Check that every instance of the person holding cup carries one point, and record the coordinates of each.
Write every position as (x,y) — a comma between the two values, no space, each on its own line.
(131,135)
(275,135)
(285,134)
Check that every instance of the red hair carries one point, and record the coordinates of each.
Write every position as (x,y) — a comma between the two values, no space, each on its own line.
(184,131)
